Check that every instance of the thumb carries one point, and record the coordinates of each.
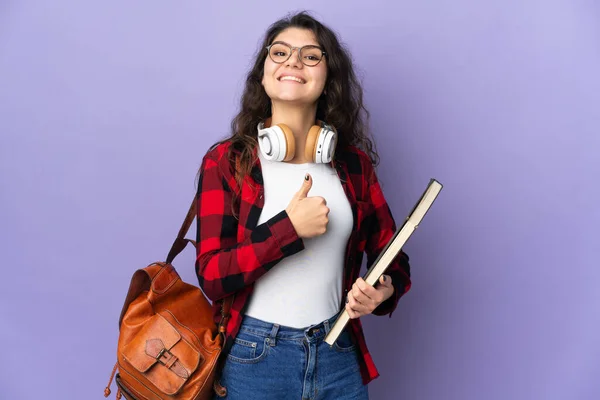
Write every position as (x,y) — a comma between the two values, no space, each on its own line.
(385,280)
(306,185)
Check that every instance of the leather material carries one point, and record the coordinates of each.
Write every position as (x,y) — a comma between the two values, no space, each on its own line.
(169,344)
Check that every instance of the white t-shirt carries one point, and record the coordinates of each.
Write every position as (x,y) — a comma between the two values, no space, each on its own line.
(305,288)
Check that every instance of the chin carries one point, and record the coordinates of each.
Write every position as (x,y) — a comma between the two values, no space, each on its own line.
(292,95)
(294,99)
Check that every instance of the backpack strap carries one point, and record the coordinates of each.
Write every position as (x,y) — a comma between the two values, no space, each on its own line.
(180,243)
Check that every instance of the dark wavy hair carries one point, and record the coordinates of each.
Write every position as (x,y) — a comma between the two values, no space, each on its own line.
(341,104)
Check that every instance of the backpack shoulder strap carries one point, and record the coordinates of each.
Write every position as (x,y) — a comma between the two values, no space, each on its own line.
(180,241)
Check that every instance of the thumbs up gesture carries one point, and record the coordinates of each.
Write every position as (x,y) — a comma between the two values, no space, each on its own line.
(309,215)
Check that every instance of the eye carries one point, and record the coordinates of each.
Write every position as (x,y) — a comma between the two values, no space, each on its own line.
(312,54)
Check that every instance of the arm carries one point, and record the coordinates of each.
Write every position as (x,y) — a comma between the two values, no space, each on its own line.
(224,265)
(382,229)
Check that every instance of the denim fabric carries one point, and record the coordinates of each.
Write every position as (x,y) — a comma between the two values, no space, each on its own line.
(268,361)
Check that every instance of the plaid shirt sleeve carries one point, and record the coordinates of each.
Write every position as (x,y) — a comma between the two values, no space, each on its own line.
(383,228)
(225,265)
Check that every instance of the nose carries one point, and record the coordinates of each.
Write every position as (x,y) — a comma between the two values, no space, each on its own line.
(295,61)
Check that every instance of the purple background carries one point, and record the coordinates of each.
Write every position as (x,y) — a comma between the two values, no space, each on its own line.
(106,110)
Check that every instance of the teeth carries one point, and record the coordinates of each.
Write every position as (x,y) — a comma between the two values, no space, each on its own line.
(291,78)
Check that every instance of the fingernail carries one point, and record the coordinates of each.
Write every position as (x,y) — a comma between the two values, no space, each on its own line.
(306,177)
(384,278)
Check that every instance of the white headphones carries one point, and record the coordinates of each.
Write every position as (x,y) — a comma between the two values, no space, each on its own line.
(277,143)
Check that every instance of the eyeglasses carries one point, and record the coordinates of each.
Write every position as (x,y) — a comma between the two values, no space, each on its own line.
(310,55)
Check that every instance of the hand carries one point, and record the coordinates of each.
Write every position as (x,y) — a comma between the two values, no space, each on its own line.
(364,298)
(309,215)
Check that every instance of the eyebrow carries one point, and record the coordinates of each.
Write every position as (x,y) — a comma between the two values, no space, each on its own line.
(306,45)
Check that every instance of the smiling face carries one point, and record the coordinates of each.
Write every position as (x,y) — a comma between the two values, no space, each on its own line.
(292,81)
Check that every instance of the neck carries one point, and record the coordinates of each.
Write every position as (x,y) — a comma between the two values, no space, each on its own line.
(299,119)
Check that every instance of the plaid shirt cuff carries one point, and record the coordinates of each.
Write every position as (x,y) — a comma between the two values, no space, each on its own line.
(284,234)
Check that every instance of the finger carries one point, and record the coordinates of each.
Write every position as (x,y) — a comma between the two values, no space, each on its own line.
(385,280)
(367,289)
(306,185)
(351,313)
(361,296)
(358,304)
(352,306)
(358,308)
(356,293)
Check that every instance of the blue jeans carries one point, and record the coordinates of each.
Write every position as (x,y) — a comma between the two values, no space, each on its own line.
(269,361)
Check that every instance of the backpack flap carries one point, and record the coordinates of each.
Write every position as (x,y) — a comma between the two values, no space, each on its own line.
(160,353)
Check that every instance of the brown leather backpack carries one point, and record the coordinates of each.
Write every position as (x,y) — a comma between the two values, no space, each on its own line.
(169,345)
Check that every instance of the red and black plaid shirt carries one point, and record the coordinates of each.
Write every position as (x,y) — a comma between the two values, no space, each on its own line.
(234,252)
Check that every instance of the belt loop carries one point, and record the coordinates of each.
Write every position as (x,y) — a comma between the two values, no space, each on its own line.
(327,324)
(273,335)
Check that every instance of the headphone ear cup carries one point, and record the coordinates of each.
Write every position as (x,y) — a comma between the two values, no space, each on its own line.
(290,141)
(327,143)
(310,151)
(276,143)
(271,143)
(320,144)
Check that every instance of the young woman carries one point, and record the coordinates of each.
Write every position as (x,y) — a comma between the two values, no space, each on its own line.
(286,208)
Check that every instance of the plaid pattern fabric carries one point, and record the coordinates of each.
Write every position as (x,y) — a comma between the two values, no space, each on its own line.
(234,251)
